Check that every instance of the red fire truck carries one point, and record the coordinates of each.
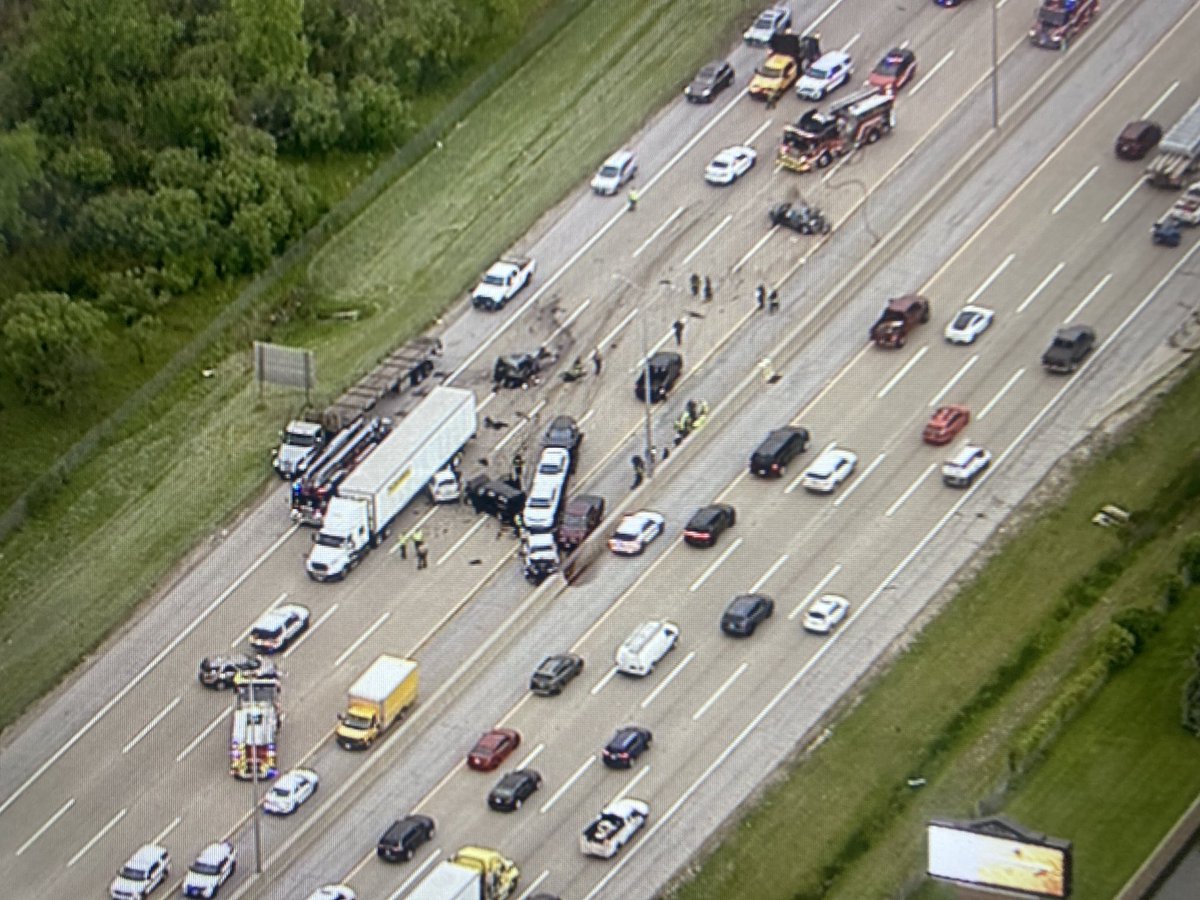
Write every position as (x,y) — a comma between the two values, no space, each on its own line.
(818,138)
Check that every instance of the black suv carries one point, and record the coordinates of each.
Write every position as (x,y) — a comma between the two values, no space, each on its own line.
(219,672)
(630,742)
(706,525)
(555,673)
(517,370)
(781,446)
(563,431)
(403,837)
(496,498)
(1070,345)
(665,368)
(745,613)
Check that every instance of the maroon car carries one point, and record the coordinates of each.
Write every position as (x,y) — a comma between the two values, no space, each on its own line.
(1137,139)
(493,748)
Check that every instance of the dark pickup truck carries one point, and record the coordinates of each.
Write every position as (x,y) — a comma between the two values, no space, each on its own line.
(1070,345)
(899,317)
(664,369)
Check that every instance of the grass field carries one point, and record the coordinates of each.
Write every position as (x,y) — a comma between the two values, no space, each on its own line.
(161,486)
(843,823)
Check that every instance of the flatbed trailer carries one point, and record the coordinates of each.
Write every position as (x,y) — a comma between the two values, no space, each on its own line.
(399,371)
(1178,152)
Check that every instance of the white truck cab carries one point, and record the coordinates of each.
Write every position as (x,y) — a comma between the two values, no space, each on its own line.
(445,486)
(342,540)
(299,444)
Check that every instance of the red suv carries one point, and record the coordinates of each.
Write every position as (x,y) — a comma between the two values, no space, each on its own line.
(945,425)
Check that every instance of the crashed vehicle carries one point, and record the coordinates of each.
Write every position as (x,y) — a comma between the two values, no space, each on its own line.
(517,370)
(541,557)
(799,217)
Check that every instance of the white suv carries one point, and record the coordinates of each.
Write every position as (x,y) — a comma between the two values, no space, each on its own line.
(827,74)
(617,169)
(145,870)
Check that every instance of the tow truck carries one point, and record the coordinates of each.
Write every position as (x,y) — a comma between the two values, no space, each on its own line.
(1060,20)
(818,138)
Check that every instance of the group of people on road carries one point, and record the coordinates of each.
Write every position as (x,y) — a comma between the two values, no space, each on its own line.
(420,550)
(701,287)
(768,300)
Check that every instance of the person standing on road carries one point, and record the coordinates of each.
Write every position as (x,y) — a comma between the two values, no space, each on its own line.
(760,296)
(634,196)
(597,360)
(518,466)
(678,329)
(402,546)
(422,556)
(418,539)
(708,288)
(773,302)
(639,472)
(695,283)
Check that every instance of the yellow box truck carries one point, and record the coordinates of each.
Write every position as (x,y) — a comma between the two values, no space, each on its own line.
(380,696)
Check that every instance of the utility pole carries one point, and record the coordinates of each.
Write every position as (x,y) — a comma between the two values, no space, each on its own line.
(995,69)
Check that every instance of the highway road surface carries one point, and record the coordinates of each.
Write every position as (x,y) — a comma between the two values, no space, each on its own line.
(1048,228)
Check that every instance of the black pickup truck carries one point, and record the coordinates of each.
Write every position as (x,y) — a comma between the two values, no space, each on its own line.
(1070,345)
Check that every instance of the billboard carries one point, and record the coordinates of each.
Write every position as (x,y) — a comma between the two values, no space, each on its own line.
(995,853)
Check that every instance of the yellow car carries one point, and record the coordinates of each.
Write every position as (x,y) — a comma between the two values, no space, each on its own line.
(774,76)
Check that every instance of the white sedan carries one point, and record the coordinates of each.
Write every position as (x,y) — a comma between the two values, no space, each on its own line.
(290,791)
(970,323)
(829,470)
(729,165)
(334,892)
(825,613)
(635,532)
(612,829)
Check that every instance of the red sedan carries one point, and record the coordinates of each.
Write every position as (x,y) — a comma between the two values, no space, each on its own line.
(894,71)
(945,424)
(493,748)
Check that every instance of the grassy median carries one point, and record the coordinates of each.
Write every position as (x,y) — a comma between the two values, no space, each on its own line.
(844,823)
(198,450)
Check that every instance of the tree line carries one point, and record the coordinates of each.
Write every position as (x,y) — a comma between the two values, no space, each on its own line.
(151,147)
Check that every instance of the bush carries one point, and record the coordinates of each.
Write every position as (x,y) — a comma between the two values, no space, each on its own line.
(1189,560)
(1191,697)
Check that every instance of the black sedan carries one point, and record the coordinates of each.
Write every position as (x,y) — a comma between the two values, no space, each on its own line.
(563,432)
(745,613)
(709,82)
(630,742)
(706,525)
(219,672)
(802,218)
(514,789)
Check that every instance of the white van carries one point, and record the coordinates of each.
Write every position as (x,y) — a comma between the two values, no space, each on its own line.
(649,643)
(617,169)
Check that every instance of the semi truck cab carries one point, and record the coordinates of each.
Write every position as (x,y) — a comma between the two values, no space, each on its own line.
(341,542)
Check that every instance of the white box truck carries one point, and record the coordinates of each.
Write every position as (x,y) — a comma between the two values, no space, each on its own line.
(367,502)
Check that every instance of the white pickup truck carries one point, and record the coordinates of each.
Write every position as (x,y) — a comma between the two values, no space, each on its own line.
(1187,207)
(503,281)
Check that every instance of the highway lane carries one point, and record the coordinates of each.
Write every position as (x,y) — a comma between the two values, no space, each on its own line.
(1034,338)
(364,595)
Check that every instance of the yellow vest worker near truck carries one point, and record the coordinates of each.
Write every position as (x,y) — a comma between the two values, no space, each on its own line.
(381,696)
